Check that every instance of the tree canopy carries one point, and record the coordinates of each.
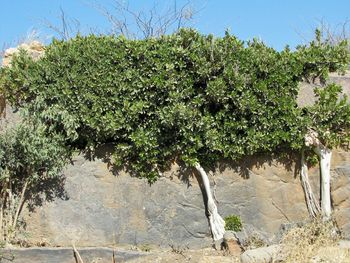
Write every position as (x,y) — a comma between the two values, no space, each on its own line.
(186,96)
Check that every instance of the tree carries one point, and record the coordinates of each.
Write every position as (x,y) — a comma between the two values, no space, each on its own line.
(325,124)
(184,97)
(30,170)
(328,123)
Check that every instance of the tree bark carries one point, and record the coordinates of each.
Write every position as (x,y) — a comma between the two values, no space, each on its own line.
(20,204)
(312,203)
(325,156)
(217,224)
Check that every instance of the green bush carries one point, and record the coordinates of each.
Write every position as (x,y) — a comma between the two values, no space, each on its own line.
(30,172)
(185,96)
(233,223)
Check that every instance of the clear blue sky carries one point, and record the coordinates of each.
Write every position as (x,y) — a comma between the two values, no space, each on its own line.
(276,22)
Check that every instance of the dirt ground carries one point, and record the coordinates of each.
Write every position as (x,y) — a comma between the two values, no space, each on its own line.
(208,255)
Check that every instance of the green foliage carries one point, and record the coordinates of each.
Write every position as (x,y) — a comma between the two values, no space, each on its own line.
(233,223)
(322,57)
(330,116)
(185,96)
(30,171)
(27,154)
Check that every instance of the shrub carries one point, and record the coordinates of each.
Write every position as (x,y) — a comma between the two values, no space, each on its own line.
(303,243)
(233,223)
(185,96)
(30,170)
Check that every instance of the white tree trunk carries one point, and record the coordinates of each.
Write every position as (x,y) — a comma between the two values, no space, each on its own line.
(312,203)
(325,155)
(217,224)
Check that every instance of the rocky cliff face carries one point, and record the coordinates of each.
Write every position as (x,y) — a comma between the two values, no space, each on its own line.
(105,207)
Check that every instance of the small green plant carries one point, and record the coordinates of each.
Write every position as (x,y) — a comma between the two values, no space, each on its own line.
(233,223)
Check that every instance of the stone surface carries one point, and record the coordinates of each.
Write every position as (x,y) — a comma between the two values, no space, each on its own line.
(306,95)
(34,48)
(105,207)
(340,193)
(262,254)
(344,244)
(231,243)
(66,255)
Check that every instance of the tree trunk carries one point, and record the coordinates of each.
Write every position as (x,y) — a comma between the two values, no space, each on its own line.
(217,224)
(20,204)
(325,155)
(312,203)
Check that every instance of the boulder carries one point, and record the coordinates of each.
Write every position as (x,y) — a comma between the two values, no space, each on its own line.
(262,255)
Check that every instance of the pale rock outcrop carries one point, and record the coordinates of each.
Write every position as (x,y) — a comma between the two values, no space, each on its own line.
(34,49)
(262,255)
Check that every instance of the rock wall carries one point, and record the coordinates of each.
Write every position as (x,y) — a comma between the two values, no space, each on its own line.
(306,95)
(105,208)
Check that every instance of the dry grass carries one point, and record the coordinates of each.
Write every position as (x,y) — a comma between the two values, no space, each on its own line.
(316,241)
(254,241)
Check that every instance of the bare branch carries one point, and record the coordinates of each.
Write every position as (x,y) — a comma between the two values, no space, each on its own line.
(68,27)
(146,24)
(330,33)
(334,34)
